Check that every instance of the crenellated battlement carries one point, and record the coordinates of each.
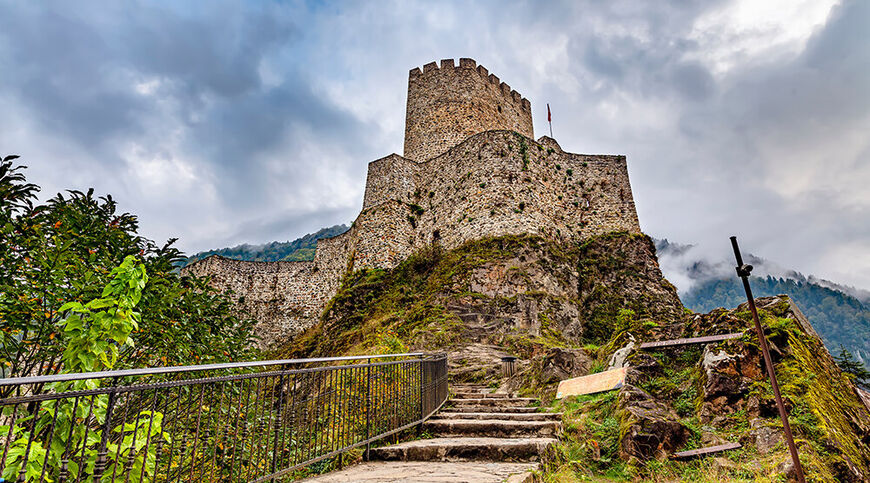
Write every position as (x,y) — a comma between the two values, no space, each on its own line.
(448,65)
(450,102)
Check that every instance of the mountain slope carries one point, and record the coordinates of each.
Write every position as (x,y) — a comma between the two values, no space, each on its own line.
(300,249)
(837,314)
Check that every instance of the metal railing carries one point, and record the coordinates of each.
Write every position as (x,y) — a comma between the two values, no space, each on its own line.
(251,421)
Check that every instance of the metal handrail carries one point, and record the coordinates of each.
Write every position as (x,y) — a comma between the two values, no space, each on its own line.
(9,381)
(235,425)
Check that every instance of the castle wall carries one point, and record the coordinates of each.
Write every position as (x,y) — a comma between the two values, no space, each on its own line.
(471,169)
(494,183)
(284,297)
(446,105)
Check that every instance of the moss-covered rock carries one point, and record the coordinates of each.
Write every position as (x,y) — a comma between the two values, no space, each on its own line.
(540,300)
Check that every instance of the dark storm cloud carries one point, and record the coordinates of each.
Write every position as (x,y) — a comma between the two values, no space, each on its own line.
(249,122)
(182,85)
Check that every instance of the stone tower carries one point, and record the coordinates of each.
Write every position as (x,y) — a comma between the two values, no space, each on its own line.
(447,105)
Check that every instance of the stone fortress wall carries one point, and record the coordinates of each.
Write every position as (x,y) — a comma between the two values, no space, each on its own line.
(494,181)
(447,105)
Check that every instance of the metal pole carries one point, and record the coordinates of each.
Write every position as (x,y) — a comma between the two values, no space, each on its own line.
(743,271)
(367,453)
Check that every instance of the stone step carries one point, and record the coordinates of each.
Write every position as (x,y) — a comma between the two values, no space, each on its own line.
(465,449)
(504,416)
(430,472)
(477,395)
(491,409)
(503,402)
(470,388)
(490,428)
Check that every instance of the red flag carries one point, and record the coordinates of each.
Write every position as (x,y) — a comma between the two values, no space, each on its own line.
(549,116)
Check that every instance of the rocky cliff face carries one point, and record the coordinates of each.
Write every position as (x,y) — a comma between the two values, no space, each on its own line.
(565,310)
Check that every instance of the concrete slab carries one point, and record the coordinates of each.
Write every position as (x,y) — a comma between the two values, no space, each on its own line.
(429,472)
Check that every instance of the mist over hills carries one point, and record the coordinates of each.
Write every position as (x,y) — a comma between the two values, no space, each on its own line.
(840,313)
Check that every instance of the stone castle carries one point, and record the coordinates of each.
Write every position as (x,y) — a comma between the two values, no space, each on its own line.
(471,169)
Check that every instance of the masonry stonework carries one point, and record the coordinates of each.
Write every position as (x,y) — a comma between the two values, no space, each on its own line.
(446,105)
(492,182)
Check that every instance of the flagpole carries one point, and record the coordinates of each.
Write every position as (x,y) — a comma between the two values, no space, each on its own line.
(550,120)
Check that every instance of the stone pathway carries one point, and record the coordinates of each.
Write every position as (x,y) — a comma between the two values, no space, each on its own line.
(479,437)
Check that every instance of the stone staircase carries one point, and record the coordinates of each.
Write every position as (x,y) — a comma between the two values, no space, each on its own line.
(479,436)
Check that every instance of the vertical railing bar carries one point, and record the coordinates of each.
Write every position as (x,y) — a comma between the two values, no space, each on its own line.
(9,436)
(339,422)
(277,425)
(223,422)
(256,436)
(22,473)
(175,417)
(202,389)
(266,425)
(132,454)
(229,428)
(99,465)
(239,418)
(333,418)
(148,441)
(64,459)
(368,408)
(245,432)
(236,425)
(285,423)
(318,406)
(87,426)
(120,443)
(48,440)
(293,419)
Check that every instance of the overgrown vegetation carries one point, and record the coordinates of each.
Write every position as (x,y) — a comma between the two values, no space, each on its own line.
(64,250)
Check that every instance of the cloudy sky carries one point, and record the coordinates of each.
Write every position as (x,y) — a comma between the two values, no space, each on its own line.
(230,122)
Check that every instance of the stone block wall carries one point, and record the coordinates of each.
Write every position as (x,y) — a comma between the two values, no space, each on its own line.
(446,105)
(284,297)
(494,183)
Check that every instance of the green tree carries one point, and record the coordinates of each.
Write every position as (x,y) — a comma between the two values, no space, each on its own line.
(64,250)
(93,335)
(848,364)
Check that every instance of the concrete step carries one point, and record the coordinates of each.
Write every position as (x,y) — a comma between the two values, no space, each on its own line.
(490,409)
(465,449)
(490,428)
(503,402)
(478,395)
(430,472)
(463,388)
(504,416)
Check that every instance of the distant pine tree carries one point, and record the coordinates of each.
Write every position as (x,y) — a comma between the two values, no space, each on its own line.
(848,364)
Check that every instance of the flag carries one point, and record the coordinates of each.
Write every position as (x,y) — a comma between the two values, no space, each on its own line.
(549,116)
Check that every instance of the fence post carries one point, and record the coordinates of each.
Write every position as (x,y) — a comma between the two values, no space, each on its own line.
(367,454)
(100,464)
(278,421)
(421,365)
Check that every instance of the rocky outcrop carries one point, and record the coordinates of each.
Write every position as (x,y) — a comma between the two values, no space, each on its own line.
(560,364)
(648,428)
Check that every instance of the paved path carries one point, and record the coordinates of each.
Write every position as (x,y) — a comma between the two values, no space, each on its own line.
(428,472)
(480,437)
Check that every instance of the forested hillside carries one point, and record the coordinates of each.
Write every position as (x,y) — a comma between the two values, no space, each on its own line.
(299,249)
(835,312)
